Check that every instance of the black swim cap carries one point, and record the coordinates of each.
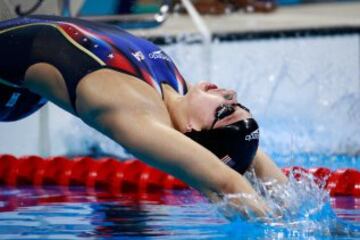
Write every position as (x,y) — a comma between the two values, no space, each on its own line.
(235,144)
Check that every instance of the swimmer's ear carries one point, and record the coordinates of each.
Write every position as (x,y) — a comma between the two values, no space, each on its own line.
(188,127)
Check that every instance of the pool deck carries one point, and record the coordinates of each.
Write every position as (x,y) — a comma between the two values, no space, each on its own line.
(307,16)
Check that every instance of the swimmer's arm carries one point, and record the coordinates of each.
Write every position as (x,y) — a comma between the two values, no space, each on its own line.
(266,169)
(165,148)
(118,107)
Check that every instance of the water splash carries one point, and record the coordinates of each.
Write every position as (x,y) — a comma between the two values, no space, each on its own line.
(301,206)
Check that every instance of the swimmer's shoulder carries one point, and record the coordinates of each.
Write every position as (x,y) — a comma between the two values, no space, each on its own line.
(118,91)
(109,81)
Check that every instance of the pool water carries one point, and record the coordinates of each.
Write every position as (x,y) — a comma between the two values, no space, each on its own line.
(173,215)
(76,213)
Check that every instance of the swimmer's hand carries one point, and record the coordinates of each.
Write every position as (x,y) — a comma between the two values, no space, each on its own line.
(247,207)
(244,206)
(244,202)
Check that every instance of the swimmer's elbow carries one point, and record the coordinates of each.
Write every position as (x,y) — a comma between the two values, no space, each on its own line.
(223,182)
(229,183)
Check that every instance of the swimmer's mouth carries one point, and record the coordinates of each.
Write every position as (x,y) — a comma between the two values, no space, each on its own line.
(210,86)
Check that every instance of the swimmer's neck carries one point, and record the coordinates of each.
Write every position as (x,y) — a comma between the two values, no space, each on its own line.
(177,108)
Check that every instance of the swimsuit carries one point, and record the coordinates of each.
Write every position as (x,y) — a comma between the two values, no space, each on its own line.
(76,48)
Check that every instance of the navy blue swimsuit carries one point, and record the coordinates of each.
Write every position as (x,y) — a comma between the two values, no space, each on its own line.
(76,48)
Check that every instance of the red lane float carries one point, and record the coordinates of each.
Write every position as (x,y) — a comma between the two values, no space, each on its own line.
(108,174)
(344,182)
(116,176)
(341,182)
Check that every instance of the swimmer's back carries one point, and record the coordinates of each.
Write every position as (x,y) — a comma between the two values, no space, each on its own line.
(77,48)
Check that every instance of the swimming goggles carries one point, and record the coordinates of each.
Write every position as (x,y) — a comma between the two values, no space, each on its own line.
(225,110)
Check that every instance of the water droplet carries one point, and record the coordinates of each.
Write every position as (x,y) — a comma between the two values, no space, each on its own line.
(271,78)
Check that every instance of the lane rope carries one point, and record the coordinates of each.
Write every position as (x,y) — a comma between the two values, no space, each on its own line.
(114,176)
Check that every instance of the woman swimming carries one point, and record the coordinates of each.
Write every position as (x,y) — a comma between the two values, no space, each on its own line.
(130,90)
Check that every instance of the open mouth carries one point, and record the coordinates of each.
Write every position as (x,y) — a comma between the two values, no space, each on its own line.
(210,86)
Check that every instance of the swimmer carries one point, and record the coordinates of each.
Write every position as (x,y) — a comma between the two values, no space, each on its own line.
(130,90)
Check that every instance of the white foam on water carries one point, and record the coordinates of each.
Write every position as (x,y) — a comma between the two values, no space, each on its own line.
(298,209)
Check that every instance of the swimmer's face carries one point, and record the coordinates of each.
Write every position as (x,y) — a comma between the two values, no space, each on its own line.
(204,99)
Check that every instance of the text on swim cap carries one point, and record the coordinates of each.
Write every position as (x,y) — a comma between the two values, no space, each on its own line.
(252,136)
